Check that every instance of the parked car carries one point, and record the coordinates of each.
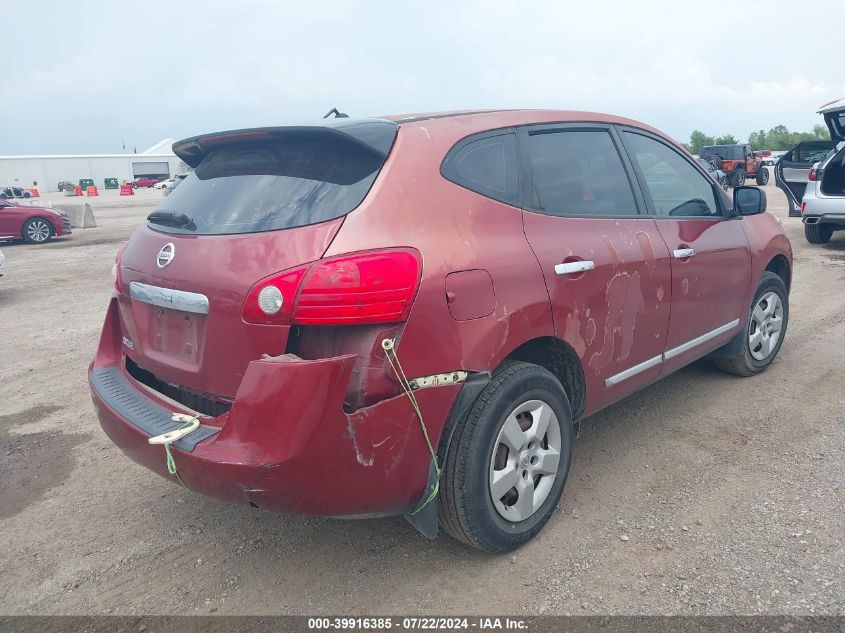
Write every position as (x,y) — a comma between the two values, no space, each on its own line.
(773,158)
(737,161)
(13,192)
(66,185)
(143,182)
(716,174)
(793,170)
(334,356)
(31,224)
(170,183)
(823,205)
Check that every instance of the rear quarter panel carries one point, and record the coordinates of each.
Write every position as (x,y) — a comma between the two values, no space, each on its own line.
(454,229)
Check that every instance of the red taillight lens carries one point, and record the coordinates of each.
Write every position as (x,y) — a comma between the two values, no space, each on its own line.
(376,287)
(355,289)
(812,175)
(259,306)
(116,275)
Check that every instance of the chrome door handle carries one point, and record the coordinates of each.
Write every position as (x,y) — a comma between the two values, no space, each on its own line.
(683,253)
(569,268)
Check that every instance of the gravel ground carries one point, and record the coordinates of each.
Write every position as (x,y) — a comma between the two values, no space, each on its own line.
(703,494)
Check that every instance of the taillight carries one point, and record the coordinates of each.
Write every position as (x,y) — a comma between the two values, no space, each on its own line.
(270,301)
(812,175)
(373,287)
(116,275)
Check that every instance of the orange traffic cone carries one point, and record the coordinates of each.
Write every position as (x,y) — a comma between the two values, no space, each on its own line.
(35,193)
(127,190)
(77,190)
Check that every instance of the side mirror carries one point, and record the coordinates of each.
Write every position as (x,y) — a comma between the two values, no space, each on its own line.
(749,200)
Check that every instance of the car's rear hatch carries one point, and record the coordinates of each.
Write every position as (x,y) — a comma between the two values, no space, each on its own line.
(258,202)
(834,118)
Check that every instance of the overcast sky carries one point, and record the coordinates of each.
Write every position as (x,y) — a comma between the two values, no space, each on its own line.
(83,77)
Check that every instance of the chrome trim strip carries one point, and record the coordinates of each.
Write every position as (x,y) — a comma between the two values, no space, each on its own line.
(633,371)
(675,351)
(168,298)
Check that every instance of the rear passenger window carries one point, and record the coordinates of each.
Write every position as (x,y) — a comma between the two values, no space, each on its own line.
(486,165)
(579,172)
(676,188)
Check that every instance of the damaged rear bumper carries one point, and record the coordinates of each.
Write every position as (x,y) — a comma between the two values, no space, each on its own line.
(286,444)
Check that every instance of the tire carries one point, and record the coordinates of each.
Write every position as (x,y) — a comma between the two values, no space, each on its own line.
(3,196)
(37,231)
(818,233)
(26,194)
(480,447)
(762,176)
(739,177)
(715,160)
(724,183)
(758,351)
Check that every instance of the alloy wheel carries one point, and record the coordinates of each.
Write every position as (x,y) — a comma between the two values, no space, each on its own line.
(38,231)
(766,325)
(525,460)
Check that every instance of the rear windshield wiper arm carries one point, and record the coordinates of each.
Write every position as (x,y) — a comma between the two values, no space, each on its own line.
(171,218)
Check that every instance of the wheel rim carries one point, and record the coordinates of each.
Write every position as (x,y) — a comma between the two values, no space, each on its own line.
(38,231)
(525,460)
(740,178)
(764,177)
(766,325)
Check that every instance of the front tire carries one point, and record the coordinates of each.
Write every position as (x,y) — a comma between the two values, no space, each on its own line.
(508,460)
(764,332)
(37,231)
(762,176)
(818,233)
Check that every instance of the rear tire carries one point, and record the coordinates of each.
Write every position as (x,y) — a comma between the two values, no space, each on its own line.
(818,233)
(523,405)
(768,316)
(739,177)
(762,176)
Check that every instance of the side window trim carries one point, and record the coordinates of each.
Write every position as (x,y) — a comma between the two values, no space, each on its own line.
(723,215)
(472,138)
(526,179)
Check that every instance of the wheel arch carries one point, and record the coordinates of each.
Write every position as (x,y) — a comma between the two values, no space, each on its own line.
(780,266)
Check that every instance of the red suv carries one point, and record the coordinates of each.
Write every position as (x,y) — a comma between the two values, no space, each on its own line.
(408,315)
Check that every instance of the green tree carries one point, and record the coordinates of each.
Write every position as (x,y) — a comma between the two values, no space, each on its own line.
(699,139)
(727,139)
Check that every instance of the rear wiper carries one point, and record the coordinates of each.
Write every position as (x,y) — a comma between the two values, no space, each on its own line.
(171,218)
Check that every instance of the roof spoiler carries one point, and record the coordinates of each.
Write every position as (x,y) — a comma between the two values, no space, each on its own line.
(374,135)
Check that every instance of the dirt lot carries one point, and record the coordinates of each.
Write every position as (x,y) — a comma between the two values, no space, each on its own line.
(731,491)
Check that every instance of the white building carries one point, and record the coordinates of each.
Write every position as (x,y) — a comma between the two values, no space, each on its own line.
(45,172)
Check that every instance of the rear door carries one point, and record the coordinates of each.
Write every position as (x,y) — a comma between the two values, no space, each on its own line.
(792,171)
(604,264)
(711,258)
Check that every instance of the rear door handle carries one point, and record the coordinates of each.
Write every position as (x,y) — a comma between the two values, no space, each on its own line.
(683,253)
(569,268)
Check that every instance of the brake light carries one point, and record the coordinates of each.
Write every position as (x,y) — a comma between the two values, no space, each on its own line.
(367,288)
(363,288)
(812,175)
(116,275)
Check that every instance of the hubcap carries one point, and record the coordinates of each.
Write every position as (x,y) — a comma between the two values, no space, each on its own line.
(38,231)
(766,325)
(525,460)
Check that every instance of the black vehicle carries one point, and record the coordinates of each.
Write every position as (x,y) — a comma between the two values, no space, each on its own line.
(737,161)
(14,192)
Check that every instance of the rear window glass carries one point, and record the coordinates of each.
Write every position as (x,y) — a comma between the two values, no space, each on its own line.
(271,184)
(579,173)
(486,165)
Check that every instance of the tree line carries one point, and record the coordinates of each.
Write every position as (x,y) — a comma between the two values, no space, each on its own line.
(777,138)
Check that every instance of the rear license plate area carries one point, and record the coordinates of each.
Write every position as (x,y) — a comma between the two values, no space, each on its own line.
(176,334)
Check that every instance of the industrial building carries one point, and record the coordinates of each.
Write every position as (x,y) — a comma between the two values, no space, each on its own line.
(45,172)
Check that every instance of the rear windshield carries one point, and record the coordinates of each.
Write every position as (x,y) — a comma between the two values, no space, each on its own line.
(272,183)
